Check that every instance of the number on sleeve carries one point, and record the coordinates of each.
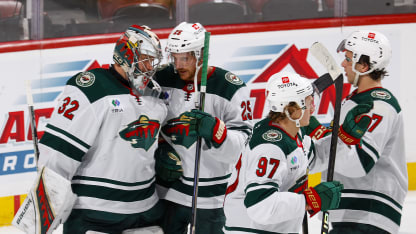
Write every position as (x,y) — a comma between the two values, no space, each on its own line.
(275,164)
(376,121)
(262,166)
(68,107)
(246,113)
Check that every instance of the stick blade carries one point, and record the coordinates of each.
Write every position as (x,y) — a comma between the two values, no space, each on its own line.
(321,53)
(323,82)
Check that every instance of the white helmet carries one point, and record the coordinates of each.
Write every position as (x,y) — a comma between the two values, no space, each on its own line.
(136,41)
(285,87)
(186,37)
(371,43)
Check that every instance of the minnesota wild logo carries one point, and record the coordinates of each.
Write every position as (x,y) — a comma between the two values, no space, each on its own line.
(85,79)
(381,94)
(181,131)
(233,79)
(272,135)
(141,133)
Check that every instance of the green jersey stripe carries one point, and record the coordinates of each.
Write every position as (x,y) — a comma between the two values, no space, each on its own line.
(207,179)
(62,146)
(371,148)
(69,135)
(115,182)
(252,230)
(244,129)
(377,194)
(257,184)
(255,196)
(370,205)
(115,194)
(203,191)
(366,160)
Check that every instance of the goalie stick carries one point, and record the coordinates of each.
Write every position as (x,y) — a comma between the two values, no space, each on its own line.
(321,53)
(199,141)
(29,99)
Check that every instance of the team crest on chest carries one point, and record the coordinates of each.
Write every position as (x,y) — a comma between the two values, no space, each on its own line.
(272,135)
(85,79)
(380,94)
(141,133)
(233,79)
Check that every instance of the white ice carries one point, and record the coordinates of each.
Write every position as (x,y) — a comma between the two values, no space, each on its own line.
(408,224)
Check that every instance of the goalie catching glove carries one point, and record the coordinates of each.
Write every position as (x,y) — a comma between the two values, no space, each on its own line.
(355,124)
(168,163)
(212,129)
(325,196)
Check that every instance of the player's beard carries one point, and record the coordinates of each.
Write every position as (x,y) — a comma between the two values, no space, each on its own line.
(186,74)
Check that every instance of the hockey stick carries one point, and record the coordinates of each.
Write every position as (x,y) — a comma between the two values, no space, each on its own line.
(323,82)
(199,141)
(29,99)
(324,57)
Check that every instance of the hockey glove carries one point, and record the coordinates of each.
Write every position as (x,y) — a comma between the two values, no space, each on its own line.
(325,196)
(168,163)
(355,124)
(315,129)
(212,129)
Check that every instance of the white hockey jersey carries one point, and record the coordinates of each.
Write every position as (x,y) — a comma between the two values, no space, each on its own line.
(264,193)
(103,138)
(227,98)
(374,174)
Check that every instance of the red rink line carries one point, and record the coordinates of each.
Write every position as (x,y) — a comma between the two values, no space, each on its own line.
(16,46)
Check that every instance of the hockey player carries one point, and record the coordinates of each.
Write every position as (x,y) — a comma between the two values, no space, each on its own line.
(267,191)
(224,126)
(370,161)
(103,135)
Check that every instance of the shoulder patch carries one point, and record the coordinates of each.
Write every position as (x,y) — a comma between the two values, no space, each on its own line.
(272,135)
(381,94)
(233,79)
(85,79)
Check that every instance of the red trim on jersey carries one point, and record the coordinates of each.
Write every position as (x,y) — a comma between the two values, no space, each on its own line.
(215,30)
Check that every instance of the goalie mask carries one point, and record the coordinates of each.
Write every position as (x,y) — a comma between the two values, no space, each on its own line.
(286,87)
(139,54)
(371,43)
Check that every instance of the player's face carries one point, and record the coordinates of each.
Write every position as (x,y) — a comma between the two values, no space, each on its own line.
(347,65)
(310,108)
(184,64)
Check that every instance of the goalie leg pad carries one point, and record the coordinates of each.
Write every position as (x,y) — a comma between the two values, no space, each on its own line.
(48,204)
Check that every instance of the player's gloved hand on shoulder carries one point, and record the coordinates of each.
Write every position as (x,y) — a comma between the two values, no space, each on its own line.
(212,129)
(325,196)
(315,129)
(355,124)
(168,163)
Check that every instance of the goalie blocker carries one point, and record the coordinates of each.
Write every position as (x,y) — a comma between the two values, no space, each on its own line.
(48,204)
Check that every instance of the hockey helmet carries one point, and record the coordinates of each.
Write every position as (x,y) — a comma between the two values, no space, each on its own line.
(367,42)
(138,45)
(186,37)
(285,87)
